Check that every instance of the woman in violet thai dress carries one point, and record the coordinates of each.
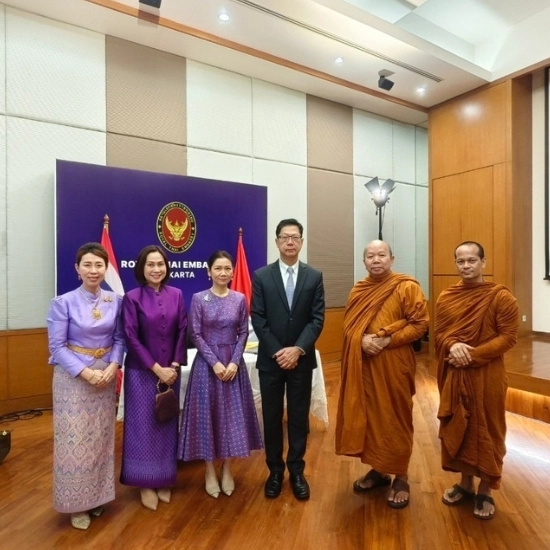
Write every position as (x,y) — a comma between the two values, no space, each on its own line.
(219,417)
(86,345)
(155,328)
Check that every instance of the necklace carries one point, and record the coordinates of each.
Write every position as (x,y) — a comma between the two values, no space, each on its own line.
(96,314)
(223,295)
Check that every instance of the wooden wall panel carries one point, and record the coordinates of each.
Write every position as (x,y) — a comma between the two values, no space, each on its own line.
(477,218)
(25,376)
(464,212)
(481,144)
(469,132)
(501,229)
(3,366)
(445,222)
(28,373)
(521,260)
(528,404)
(330,341)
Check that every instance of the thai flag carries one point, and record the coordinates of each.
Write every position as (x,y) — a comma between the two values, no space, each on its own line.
(112,277)
(113,281)
(241,283)
(241,275)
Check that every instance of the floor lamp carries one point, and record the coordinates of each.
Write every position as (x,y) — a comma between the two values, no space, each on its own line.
(380,196)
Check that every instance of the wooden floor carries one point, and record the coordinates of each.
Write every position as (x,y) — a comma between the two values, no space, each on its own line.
(531,356)
(334,517)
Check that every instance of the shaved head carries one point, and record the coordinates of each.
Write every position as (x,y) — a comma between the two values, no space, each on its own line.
(378,259)
(377,242)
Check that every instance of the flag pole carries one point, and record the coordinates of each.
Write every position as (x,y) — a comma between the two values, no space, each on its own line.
(106,223)
(241,276)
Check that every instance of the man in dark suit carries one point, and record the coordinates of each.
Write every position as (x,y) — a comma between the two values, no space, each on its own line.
(288,312)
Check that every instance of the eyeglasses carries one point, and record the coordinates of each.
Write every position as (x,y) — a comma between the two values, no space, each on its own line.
(286,238)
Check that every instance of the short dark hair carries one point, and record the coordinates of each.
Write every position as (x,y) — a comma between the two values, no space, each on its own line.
(92,248)
(480,251)
(289,221)
(139,269)
(217,256)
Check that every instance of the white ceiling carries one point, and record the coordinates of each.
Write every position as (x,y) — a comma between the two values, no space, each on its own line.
(446,47)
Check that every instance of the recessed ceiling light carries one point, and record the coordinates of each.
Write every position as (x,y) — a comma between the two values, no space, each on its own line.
(223,16)
(339,60)
(421,90)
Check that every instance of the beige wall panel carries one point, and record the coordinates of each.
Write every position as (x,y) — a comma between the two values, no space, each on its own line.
(329,135)
(469,133)
(2,59)
(55,72)
(462,211)
(146,154)
(330,232)
(540,287)
(145,92)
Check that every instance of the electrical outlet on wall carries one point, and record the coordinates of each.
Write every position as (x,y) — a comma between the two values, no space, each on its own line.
(524,318)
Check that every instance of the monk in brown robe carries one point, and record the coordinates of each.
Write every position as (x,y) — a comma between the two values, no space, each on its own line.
(475,323)
(385,314)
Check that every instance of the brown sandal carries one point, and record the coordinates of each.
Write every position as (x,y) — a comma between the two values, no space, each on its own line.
(457,489)
(480,499)
(399,486)
(378,480)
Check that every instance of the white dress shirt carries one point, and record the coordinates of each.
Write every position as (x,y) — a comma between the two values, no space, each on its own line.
(284,273)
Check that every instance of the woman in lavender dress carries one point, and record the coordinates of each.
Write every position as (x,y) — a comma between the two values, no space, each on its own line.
(219,416)
(155,329)
(86,346)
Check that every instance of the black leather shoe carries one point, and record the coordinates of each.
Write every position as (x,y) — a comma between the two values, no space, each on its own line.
(273,485)
(300,487)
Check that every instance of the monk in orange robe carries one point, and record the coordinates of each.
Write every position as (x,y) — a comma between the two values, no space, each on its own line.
(385,314)
(476,323)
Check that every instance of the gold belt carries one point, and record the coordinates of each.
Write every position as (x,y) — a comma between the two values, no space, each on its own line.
(96,353)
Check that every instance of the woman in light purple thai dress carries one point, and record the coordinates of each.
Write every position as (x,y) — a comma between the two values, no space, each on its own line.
(155,330)
(219,417)
(86,345)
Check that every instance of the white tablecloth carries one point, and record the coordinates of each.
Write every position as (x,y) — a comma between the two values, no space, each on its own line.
(318,393)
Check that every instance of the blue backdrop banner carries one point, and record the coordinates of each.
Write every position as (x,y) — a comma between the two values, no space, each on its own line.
(189,217)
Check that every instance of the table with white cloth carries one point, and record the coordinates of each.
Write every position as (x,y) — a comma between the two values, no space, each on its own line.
(318,407)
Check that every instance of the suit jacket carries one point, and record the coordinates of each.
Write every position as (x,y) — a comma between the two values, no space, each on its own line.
(279,326)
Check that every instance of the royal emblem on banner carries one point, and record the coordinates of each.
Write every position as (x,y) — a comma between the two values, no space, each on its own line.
(176,227)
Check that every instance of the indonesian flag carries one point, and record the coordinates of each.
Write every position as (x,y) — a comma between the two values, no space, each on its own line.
(112,278)
(241,276)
